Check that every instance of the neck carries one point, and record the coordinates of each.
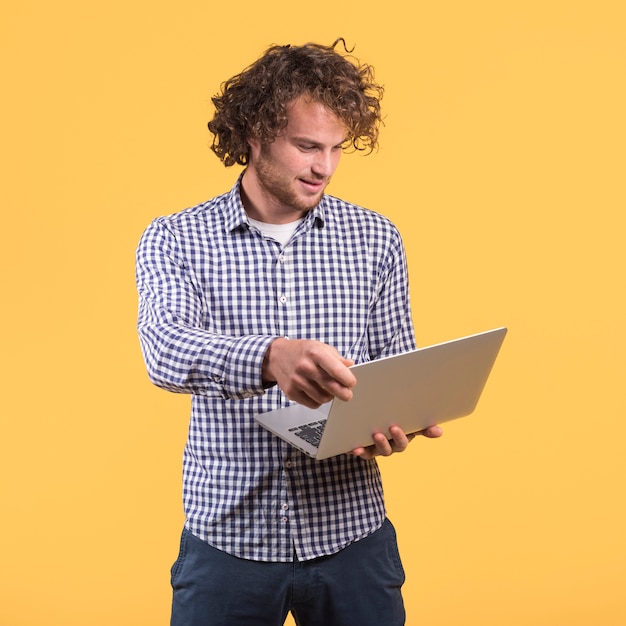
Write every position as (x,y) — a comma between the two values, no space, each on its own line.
(260,205)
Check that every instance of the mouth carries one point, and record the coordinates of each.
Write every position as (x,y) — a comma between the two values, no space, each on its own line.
(313,186)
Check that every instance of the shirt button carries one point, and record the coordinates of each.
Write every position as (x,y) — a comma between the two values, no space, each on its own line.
(285,520)
(281,258)
(285,507)
(288,464)
(283,298)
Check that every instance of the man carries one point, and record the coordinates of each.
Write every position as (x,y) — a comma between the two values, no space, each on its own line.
(263,296)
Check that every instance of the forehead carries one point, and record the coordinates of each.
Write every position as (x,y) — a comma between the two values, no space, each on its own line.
(309,117)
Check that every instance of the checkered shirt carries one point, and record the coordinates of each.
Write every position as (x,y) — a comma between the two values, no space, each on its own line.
(213,293)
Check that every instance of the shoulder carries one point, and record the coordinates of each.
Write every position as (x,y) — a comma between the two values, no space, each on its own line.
(184,234)
(198,216)
(353,220)
(208,219)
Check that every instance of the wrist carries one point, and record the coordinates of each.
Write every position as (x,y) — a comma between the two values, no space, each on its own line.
(272,355)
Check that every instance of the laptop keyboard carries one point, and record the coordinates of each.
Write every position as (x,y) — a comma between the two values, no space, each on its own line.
(311,433)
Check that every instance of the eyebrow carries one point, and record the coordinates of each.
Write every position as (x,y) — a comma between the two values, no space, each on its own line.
(317,144)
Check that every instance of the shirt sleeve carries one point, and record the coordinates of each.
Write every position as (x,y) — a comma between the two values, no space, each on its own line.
(180,355)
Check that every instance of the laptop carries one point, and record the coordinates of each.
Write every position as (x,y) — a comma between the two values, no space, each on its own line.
(413,390)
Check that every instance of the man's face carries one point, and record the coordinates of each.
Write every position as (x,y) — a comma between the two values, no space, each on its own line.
(287,177)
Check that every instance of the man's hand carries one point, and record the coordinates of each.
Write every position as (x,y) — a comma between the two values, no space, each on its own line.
(398,442)
(309,372)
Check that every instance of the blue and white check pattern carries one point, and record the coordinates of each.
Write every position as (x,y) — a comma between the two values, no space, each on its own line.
(213,293)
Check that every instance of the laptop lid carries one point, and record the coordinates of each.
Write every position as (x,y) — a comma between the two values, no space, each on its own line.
(414,390)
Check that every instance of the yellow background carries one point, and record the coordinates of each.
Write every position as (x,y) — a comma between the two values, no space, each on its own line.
(502,162)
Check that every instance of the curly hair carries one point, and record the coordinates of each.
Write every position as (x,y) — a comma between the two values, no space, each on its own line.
(254,103)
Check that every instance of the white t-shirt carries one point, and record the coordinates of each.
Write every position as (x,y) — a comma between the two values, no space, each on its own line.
(280,232)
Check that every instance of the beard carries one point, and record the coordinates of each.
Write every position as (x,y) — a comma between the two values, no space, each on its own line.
(282,188)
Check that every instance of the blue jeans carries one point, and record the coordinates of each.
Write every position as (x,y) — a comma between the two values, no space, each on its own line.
(358,585)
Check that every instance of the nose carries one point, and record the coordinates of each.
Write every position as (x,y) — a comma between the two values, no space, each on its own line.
(325,163)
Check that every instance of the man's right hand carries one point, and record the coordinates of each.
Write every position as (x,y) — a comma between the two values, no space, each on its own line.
(309,372)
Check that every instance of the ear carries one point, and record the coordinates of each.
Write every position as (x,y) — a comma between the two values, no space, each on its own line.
(255,148)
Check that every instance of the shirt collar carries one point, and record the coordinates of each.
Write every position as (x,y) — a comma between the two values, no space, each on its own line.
(236,216)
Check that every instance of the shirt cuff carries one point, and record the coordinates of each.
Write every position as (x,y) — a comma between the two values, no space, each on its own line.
(244,364)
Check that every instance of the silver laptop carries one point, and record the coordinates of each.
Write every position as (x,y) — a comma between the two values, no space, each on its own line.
(413,390)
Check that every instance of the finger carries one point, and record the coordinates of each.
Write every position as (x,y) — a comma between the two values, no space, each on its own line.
(366,454)
(382,446)
(309,394)
(336,369)
(302,398)
(318,392)
(312,393)
(432,432)
(332,387)
(399,440)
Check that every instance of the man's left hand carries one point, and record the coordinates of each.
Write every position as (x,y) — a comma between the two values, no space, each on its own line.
(398,443)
